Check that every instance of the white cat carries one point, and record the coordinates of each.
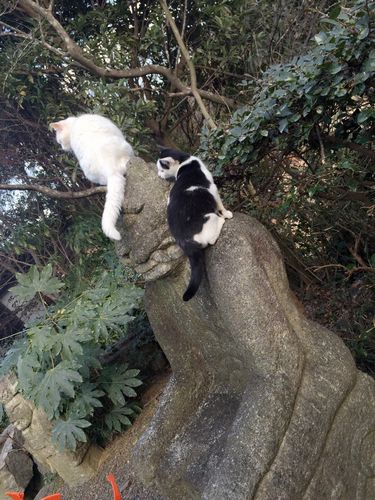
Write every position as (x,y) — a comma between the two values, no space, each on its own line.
(103,154)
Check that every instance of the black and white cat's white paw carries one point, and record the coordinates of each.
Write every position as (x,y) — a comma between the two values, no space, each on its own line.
(227,214)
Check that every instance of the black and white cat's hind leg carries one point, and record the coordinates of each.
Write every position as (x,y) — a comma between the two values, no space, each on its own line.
(211,230)
(227,214)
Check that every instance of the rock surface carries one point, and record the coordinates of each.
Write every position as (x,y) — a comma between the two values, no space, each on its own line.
(263,403)
(73,467)
(16,466)
(116,460)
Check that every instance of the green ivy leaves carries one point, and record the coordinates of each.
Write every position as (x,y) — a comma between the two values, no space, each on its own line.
(365,115)
(313,89)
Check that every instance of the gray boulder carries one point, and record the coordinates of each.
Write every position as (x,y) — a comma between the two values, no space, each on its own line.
(263,403)
(16,465)
(73,467)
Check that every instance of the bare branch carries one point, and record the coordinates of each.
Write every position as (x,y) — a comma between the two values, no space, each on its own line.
(322,152)
(335,141)
(17,33)
(52,193)
(36,11)
(349,272)
(189,62)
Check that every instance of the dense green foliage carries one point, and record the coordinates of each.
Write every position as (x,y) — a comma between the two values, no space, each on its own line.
(299,156)
(60,363)
(329,90)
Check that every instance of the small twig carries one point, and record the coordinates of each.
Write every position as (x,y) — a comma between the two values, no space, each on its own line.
(52,193)
(13,335)
(357,257)
(319,268)
(77,54)
(349,272)
(322,152)
(182,37)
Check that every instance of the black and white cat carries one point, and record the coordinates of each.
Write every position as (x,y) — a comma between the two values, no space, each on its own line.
(195,211)
(103,154)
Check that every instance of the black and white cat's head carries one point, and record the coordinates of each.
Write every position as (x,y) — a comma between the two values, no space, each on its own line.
(169,162)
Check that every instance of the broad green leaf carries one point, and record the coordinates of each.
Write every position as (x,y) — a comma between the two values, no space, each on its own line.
(66,433)
(133,382)
(335,11)
(113,381)
(295,118)
(57,382)
(12,356)
(365,115)
(284,110)
(28,375)
(131,373)
(335,68)
(85,401)
(369,64)
(44,338)
(129,392)
(35,281)
(83,313)
(71,342)
(118,418)
(330,21)
(364,32)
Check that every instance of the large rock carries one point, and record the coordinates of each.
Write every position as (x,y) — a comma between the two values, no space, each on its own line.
(263,403)
(16,465)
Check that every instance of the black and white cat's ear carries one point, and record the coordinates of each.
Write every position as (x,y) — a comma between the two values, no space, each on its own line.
(165,163)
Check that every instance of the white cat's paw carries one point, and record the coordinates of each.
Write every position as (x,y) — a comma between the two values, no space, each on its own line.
(112,233)
(227,214)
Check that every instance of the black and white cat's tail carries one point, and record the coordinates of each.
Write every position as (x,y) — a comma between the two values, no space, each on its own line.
(112,207)
(196,259)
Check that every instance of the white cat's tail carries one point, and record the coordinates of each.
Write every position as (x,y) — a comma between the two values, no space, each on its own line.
(112,207)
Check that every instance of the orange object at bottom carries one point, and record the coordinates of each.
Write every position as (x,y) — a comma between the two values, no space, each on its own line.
(15,495)
(57,496)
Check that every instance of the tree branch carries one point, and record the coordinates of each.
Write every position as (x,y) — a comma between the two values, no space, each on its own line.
(52,193)
(189,62)
(335,141)
(36,11)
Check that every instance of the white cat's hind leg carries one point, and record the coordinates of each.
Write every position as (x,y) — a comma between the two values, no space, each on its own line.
(112,206)
(210,231)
